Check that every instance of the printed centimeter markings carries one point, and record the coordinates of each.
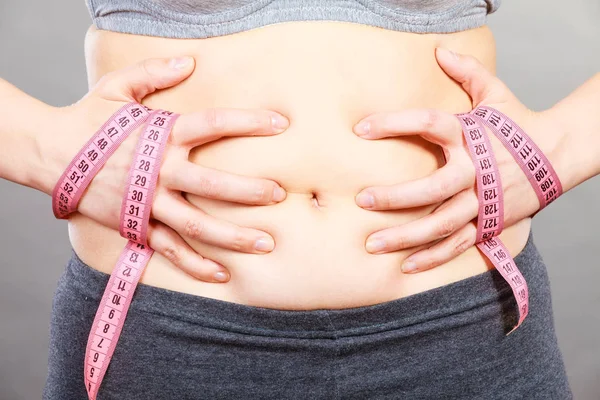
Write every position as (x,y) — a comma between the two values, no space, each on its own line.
(135,209)
(86,164)
(490,195)
(491,200)
(498,254)
(111,313)
(118,294)
(526,153)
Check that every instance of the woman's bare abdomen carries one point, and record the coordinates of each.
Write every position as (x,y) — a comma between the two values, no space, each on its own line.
(325,77)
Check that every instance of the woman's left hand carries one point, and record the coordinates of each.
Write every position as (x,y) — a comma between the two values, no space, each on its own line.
(451,229)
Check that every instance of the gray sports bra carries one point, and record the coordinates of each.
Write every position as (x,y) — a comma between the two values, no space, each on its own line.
(208,18)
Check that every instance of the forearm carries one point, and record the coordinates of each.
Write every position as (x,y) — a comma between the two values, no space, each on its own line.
(24,119)
(577,117)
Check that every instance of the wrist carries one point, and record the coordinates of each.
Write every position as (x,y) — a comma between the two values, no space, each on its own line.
(49,159)
(24,120)
(571,154)
(577,119)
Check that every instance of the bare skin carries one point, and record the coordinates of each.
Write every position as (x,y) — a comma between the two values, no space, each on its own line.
(271,150)
(324,77)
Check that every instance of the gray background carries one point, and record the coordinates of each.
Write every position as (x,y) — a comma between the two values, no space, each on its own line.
(545,50)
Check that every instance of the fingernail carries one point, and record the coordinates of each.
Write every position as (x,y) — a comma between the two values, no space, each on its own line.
(264,244)
(279,122)
(363,128)
(278,194)
(221,276)
(365,199)
(180,62)
(375,245)
(409,266)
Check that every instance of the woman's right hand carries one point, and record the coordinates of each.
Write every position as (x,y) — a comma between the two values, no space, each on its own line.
(173,218)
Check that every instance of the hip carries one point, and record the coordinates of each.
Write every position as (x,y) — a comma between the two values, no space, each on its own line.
(449,342)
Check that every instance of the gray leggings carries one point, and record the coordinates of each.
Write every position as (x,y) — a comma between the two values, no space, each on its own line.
(445,343)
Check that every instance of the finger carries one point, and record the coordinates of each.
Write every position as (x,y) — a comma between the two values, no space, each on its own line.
(477,81)
(185,176)
(434,188)
(442,252)
(169,244)
(433,125)
(197,128)
(443,222)
(191,222)
(136,82)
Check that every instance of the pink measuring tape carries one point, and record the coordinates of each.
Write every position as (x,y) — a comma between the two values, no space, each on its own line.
(95,153)
(135,215)
(490,221)
(143,175)
(530,158)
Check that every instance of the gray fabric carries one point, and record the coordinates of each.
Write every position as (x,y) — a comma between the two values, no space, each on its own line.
(208,18)
(445,343)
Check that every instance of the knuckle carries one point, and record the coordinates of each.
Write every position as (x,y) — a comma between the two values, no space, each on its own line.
(382,199)
(429,263)
(215,120)
(401,242)
(447,184)
(152,67)
(194,229)
(437,192)
(387,199)
(461,244)
(263,194)
(208,186)
(147,69)
(259,121)
(240,242)
(173,254)
(445,228)
(431,119)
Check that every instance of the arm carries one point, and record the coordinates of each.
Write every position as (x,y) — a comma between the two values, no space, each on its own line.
(577,118)
(24,120)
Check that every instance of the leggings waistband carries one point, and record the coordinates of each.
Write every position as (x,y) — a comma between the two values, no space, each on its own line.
(463,302)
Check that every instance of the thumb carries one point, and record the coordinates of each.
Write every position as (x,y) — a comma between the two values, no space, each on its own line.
(475,79)
(139,80)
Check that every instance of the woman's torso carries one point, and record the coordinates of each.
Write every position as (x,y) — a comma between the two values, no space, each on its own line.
(324,76)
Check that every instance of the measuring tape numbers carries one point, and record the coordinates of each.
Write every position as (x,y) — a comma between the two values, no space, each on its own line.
(88,162)
(143,176)
(135,215)
(542,177)
(490,220)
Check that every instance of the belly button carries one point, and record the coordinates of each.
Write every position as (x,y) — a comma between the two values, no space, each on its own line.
(315,200)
